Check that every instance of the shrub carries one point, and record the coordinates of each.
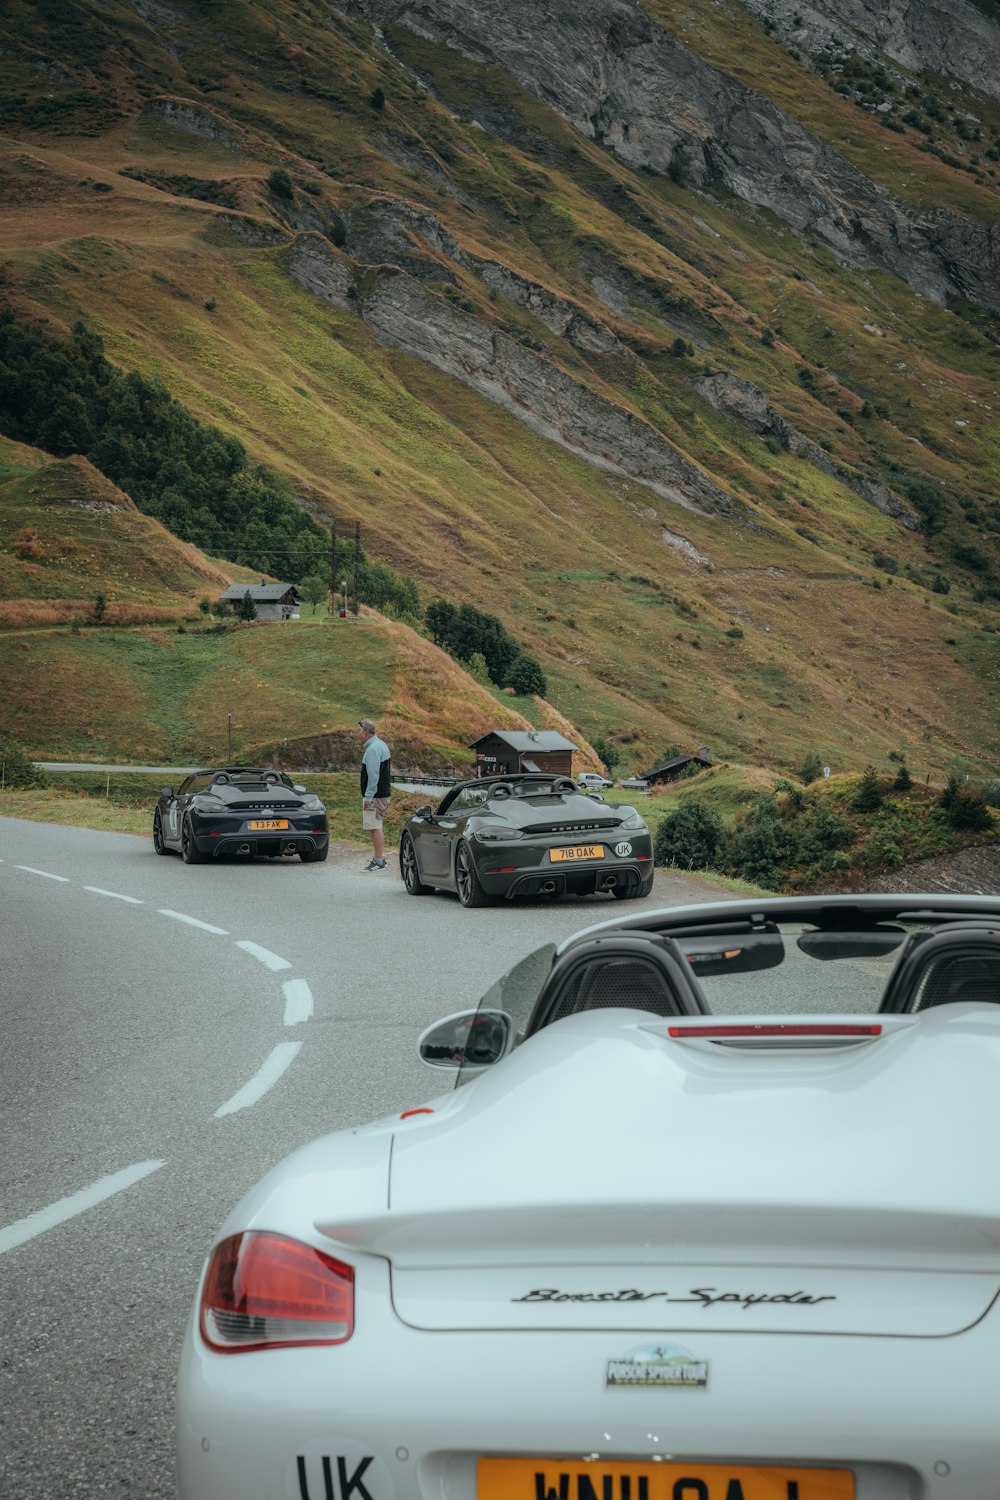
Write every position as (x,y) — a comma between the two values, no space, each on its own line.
(279,182)
(691,837)
(810,768)
(525,676)
(377,99)
(16,768)
(100,608)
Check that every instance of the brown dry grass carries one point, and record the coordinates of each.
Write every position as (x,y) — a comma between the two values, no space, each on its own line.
(23,614)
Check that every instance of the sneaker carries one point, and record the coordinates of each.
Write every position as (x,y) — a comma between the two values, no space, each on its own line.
(374,864)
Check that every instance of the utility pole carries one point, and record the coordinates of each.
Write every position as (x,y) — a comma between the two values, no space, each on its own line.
(357,565)
(333,567)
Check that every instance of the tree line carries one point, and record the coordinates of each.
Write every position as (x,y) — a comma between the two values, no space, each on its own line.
(466,634)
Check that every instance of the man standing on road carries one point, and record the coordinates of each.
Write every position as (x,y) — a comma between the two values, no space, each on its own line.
(376,788)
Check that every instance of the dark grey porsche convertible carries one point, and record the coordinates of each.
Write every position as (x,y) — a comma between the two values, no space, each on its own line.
(527,835)
(240,810)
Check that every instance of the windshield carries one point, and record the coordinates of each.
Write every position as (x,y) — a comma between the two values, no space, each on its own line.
(743,968)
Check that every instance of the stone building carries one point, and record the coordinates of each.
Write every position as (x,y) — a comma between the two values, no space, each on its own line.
(272,601)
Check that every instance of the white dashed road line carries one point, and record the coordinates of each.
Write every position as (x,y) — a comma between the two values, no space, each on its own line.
(48,876)
(116,895)
(264,956)
(265,1078)
(76,1203)
(298,1001)
(179,916)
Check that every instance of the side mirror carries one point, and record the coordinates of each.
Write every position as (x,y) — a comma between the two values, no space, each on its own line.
(166,791)
(302,790)
(469,1039)
(596,796)
(424,812)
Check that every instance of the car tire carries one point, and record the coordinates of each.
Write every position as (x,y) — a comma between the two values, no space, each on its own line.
(314,856)
(467,883)
(631,892)
(159,846)
(409,869)
(190,853)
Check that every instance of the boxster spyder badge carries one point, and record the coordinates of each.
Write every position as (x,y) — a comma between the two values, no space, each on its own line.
(658,1364)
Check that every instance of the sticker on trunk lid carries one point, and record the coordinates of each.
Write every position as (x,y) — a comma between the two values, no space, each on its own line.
(658,1364)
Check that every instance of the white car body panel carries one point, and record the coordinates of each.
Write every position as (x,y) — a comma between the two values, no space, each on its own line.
(792,1218)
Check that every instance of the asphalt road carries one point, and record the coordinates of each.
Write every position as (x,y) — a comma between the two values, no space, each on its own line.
(152,1069)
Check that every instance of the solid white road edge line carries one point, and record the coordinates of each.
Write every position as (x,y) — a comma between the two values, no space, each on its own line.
(265,956)
(32,871)
(298,1001)
(179,916)
(265,1077)
(133,900)
(76,1203)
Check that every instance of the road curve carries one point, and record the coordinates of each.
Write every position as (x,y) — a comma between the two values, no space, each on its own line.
(170,1032)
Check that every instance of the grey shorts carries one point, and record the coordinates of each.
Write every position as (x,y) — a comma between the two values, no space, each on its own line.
(371,817)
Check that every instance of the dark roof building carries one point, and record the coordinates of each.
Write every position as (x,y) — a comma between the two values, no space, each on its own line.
(273,601)
(504,752)
(670,770)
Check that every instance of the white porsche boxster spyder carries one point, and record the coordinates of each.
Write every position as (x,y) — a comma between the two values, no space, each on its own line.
(715,1217)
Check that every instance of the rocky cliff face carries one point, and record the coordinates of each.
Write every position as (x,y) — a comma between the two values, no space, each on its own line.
(620,78)
(748,405)
(952,38)
(402,311)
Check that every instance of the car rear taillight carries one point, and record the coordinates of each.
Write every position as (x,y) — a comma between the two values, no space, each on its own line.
(266,1291)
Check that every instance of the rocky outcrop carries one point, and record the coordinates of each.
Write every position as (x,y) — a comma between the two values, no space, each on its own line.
(402,311)
(748,405)
(193,119)
(620,78)
(393,231)
(952,38)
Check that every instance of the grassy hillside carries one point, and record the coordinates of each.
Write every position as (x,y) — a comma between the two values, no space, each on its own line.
(807,619)
(295,693)
(67,534)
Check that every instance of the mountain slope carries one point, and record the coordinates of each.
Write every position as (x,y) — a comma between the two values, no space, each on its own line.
(643,337)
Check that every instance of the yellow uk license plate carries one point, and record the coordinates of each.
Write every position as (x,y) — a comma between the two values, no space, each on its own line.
(261,825)
(577,851)
(543,1479)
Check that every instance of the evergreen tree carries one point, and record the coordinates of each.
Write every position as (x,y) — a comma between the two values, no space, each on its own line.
(903,780)
(868,797)
(811,767)
(248,610)
(100,608)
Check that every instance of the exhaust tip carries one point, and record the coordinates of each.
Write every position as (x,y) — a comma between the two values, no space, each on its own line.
(611,882)
(548,886)
(243,849)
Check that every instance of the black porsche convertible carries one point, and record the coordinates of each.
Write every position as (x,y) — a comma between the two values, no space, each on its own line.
(244,810)
(525,835)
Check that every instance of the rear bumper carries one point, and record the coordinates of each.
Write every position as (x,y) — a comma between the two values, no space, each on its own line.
(580,882)
(526,869)
(292,840)
(914,1419)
